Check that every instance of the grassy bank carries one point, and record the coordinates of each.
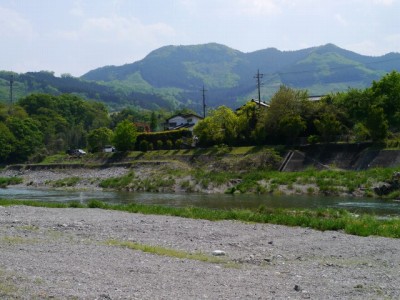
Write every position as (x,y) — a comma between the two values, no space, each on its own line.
(323,219)
(219,170)
(5,181)
(311,181)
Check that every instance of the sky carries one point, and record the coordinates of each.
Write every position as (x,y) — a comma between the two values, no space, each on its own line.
(76,36)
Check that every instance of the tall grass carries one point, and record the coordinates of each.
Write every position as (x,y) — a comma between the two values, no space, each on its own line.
(70,181)
(321,219)
(331,182)
(5,181)
(118,182)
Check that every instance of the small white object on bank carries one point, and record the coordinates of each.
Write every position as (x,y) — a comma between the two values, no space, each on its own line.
(218,253)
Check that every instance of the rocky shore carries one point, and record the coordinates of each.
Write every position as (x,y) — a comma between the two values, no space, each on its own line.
(89,178)
(148,177)
(66,254)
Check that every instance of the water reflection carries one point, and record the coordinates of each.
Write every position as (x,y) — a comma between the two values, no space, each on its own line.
(356,205)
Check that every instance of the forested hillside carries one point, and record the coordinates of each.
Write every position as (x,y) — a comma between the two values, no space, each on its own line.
(171,77)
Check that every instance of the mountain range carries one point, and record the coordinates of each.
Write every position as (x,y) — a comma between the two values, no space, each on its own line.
(173,76)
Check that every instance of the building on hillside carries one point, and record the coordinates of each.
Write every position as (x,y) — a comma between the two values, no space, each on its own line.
(260,104)
(182,121)
(315,98)
(142,127)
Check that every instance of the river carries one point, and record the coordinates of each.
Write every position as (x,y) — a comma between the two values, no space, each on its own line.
(213,201)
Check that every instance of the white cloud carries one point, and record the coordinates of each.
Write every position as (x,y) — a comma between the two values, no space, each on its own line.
(13,24)
(384,2)
(117,29)
(376,47)
(259,7)
(77,9)
(340,19)
(394,38)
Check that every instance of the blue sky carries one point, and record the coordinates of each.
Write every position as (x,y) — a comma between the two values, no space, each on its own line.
(76,36)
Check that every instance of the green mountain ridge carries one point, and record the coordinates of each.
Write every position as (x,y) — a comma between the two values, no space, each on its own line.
(172,76)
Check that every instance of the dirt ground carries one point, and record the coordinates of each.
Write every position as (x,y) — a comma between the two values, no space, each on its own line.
(64,254)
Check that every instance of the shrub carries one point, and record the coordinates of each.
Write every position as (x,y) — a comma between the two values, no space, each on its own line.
(144,146)
(178,143)
(70,181)
(4,181)
(164,136)
(313,139)
(96,204)
(169,144)
(160,144)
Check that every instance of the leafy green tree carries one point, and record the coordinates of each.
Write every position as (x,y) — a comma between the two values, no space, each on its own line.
(247,121)
(28,138)
(204,132)
(287,110)
(7,142)
(354,103)
(131,114)
(64,120)
(99,138)
(153,122)
(125,135)
(387,89)
(220,127)
(291,126)
(76,136)
(360,132)
(328,126)
(377,124)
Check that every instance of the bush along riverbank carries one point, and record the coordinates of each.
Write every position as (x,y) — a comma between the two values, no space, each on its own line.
(321,219)
(179,177)
(219,170)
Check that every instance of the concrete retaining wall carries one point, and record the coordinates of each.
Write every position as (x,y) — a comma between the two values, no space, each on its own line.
(342,156)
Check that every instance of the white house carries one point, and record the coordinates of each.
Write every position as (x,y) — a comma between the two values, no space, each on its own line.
(182,121)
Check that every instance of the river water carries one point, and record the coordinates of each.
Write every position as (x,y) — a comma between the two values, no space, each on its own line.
(213,201)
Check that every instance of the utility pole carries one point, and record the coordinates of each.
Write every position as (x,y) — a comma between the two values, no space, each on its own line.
(204,101)
(11,88)
(258,76)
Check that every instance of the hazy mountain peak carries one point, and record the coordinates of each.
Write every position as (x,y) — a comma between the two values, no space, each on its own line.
(172,76)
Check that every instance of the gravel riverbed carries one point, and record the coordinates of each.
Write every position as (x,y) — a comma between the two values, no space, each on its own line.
(64,254)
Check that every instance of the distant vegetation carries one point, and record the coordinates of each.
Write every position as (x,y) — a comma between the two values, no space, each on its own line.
(171,77)
(371,114)
(43,124)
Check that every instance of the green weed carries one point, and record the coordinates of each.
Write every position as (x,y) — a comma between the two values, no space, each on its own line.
(5,181)
(70,181)
(157,250)
(118,182)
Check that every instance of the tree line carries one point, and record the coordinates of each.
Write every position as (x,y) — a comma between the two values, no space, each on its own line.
(371,114)
(41,124)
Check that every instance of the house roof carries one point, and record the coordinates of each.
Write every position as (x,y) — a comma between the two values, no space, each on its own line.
(315,98)
(185,116)
(260,104)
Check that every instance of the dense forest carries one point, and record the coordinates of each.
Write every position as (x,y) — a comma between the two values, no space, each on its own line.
(43,124)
